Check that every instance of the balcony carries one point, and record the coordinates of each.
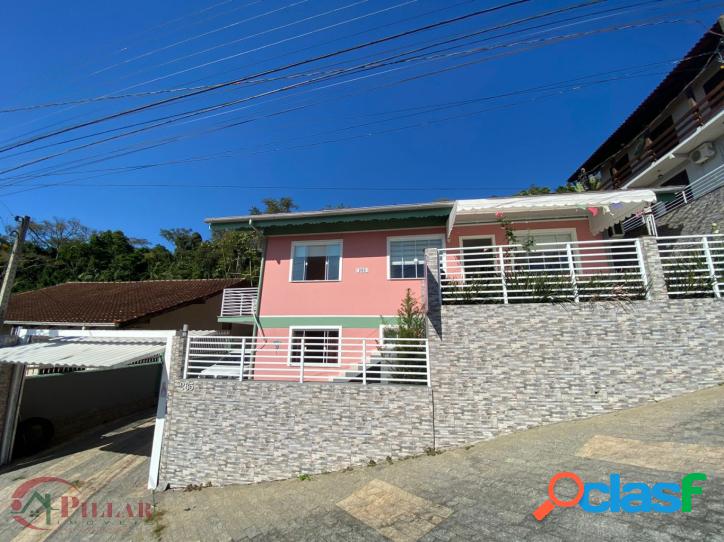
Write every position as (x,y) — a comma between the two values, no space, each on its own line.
(671,145)
(239,302)
(543,273)
(696,189)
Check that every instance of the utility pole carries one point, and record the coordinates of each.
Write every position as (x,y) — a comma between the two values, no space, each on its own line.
(17,372)
(9,277)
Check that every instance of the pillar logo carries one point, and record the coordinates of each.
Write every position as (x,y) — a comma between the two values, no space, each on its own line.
(36,507)
(632,497)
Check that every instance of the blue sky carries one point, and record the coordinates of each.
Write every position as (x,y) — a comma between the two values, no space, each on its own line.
(389,135)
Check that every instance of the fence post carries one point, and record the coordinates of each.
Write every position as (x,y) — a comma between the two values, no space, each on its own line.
(710,265)
(502,274)
(652,272)
(427,362)
(364,361)
(186,357)
(572,271)
(301,359)
(243,355)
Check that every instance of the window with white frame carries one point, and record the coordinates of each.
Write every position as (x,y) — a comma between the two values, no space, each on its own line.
(316,260)
(407,256)
(546,257)
(314,346)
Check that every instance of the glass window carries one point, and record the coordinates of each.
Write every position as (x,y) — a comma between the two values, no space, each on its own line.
(548,258)
(316,261)
(320,346)
(407,257)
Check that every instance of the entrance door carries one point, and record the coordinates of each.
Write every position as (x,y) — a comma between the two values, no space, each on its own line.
(478,259)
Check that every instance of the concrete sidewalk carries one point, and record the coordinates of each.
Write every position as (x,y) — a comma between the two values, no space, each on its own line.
(487,491)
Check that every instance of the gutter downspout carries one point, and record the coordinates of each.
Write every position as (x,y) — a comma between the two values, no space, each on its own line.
(257,322)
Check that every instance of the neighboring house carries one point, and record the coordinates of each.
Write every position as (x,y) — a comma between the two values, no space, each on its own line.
(73,383)
(333,281)
(149,304)
(673,143)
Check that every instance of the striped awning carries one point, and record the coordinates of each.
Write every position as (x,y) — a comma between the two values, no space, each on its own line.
(88,352)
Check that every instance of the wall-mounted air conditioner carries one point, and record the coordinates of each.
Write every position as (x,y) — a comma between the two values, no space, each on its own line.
(702,153)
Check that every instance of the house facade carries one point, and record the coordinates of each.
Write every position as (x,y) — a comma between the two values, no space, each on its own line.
(532,316)
(673,143)
(332,282)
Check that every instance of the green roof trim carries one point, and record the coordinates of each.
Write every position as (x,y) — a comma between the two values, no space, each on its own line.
(343,222)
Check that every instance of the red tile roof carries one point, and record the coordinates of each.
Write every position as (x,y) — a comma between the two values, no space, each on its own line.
(111,302)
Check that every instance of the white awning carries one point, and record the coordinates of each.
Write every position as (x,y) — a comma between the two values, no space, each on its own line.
(88,352)
(604,209)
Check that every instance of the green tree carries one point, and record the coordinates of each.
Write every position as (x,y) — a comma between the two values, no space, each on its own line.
(274,206)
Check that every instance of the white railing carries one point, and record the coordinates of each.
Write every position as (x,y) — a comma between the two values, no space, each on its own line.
(544,272)
(698,188)
(693,265)
(239,301)
(310,359)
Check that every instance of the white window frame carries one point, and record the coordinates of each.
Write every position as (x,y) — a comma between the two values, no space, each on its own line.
(295,244)
(292,329)
(550,231)
(440,236)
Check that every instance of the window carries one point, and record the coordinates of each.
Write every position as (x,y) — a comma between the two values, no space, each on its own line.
(314,346)
(316,260)
(407,256)
(549,258)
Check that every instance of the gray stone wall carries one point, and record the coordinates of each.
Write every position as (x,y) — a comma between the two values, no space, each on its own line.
(695,218)
(226,431)
(502,368)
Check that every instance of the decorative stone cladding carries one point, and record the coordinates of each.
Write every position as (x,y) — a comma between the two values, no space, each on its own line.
(502,368)
(494,369)
(226,431)
(695,218)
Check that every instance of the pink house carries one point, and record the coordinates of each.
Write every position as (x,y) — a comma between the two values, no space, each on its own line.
(332,281)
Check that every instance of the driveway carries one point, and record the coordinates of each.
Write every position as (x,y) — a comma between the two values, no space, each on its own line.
(106,465)
(482,492)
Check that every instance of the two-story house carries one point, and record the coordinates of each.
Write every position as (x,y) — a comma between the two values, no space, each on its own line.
(332,281)
(673,143)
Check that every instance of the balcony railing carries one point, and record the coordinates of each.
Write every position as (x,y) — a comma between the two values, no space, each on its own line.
(698,188)
(698,114)
(693,265)
(318,359)
(546,272)
(239,301)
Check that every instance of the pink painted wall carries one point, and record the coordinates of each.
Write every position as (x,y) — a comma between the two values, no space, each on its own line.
(370,293)
(582,231)
(272,356)
(357,294)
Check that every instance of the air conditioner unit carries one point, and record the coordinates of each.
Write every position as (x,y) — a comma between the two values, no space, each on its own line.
(702,153)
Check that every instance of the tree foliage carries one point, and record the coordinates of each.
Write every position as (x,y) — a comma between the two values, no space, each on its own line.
(62,250)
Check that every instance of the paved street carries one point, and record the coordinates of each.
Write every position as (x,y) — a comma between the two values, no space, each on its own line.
(484,492)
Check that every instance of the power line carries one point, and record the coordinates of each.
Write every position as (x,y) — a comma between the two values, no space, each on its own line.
(175,118)
(225,84)
(436,107)
(324,75)
(215,30)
